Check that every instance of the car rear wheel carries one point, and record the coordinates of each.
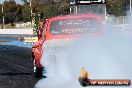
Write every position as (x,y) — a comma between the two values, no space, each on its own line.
(37,70)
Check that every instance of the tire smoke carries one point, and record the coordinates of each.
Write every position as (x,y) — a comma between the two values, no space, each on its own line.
(104,57)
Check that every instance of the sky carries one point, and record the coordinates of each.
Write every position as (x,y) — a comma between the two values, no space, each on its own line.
(18,1)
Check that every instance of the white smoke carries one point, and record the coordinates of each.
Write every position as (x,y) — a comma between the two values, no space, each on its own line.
(104,57)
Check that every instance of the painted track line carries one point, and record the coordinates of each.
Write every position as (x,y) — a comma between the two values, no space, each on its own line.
(16,43)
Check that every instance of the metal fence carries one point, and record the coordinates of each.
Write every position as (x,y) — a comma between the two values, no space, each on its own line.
(117,20)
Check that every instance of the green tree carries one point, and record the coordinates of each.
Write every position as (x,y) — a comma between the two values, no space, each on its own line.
(116,7)
(18,14)
(50,8)
(0,14)
(12,12)
(10,8)
(26,12)
(25,1)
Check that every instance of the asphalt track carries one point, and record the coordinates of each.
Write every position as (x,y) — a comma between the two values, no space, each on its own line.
(16,68)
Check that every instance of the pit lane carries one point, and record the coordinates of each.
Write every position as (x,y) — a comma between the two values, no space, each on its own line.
(16,69)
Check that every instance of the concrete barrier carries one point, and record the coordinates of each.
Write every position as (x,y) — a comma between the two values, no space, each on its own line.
(17,31)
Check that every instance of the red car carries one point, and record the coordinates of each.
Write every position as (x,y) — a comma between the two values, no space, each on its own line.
(62,28)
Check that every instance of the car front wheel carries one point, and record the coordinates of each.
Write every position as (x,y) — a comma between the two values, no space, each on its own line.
(37,70)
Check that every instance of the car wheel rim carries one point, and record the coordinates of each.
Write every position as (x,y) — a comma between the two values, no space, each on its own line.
(34,63)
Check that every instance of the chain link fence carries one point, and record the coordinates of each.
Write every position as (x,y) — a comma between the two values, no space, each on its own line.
(117,20)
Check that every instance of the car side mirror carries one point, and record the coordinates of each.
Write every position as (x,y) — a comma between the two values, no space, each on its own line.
(39,43)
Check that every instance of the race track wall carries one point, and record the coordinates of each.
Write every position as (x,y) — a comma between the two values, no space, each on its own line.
(17,31)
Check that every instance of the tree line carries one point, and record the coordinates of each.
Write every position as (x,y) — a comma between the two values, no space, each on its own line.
(14,12)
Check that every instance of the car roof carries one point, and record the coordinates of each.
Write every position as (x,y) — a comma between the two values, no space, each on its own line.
(76,16)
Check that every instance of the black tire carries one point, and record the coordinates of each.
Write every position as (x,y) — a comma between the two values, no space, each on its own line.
(37,70)
(84,81)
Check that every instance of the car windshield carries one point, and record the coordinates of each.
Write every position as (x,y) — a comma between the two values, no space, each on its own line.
(74,26)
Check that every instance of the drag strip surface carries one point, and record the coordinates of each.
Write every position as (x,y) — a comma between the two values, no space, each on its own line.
(16,69)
